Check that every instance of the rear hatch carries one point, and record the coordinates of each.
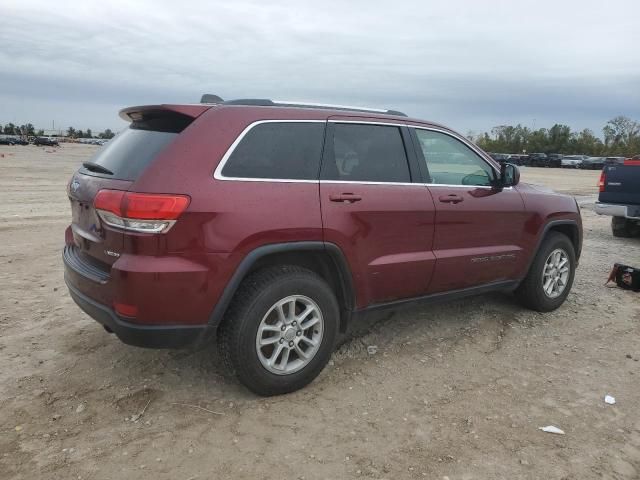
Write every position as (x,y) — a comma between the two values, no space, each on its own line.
(116,166)
(621,184)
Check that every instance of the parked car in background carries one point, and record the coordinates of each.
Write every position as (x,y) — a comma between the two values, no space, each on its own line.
(572,161)
(499,157)
(614,160)
(619,197)
(6,141)
(554,160)
(270,226)
(46,142)
(593,163)
(538,160)
(20,141)
(519,159)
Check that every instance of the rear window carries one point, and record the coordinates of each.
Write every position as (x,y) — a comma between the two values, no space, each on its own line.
(278,150)
(132,150)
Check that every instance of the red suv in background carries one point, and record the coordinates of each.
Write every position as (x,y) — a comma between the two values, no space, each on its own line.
(273,225)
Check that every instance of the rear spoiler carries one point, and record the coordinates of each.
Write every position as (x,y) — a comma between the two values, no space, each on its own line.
(134,114)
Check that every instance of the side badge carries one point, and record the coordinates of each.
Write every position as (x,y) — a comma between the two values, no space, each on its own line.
(111,254)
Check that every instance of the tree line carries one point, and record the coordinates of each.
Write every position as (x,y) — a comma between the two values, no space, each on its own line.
(29,130)
(620,137)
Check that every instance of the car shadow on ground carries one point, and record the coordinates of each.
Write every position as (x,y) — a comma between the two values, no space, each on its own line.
(199,374)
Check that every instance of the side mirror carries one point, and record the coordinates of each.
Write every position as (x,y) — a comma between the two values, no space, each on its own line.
(509,175)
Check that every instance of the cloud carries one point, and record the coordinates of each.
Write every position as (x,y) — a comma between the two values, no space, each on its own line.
(464,63)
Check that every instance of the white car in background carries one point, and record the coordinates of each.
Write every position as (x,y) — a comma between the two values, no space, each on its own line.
(572,161)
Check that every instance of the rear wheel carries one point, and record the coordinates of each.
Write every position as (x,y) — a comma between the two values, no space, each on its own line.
(280,330)
(624,228)
(550,277)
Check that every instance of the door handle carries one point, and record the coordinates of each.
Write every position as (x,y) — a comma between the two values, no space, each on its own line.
(345,197)
(453,198)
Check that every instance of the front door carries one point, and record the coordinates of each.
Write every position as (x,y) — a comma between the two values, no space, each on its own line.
(478,235)
(371,209)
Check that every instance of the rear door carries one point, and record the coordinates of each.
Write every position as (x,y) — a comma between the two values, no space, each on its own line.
(478,229)
(373,210)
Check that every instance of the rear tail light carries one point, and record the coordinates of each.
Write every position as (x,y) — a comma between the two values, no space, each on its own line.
(602,181)
(140,212)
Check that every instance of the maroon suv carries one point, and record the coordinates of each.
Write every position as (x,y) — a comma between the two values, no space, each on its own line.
(273,225)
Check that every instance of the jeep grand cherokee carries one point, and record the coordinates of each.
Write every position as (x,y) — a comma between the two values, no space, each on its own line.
(273,225)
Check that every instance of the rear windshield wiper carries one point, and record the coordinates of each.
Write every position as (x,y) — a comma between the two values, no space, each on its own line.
(94,167)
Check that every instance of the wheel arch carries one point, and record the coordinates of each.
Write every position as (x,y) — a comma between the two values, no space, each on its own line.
(325,259)
(567,227)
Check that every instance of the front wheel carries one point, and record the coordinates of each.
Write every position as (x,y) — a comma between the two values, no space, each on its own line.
(280,329)
(551,275)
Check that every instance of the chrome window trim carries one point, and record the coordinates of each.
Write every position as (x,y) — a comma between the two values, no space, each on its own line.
(218,171)
(356,182)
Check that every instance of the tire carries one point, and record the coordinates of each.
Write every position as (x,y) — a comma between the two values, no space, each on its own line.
(624,228)
(531,291)
(255,307)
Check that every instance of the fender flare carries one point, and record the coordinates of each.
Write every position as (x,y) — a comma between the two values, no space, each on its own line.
(340,263)
(548,226)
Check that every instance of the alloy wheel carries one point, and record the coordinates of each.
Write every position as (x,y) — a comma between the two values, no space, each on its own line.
(289,334)
(555,273)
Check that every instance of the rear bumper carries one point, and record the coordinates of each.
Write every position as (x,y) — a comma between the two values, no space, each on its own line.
(163,290)
(615,210)
(149,336)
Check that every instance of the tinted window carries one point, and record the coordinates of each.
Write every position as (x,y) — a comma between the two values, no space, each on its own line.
(282,150)
(128,153)
(366,153)
(451,162)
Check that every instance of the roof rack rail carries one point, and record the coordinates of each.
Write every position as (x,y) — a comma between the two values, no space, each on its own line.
(265,102)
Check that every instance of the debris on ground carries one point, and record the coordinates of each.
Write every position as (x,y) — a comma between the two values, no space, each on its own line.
(372,349)
(138,416)
(552,429)
(609,399)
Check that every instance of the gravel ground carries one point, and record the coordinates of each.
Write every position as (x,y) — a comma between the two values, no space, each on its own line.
(454,391)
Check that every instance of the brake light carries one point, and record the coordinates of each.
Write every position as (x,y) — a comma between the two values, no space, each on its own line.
(140,212)
(109,201)
(602,181)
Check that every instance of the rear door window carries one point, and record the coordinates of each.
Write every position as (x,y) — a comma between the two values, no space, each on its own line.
(278,150)
(366,153)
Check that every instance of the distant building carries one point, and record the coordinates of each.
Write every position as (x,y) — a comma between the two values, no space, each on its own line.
(54,133)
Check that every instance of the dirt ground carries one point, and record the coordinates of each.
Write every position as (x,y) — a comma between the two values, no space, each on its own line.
(455,391)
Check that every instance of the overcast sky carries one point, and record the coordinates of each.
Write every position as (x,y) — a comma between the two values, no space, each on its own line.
(469,64)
